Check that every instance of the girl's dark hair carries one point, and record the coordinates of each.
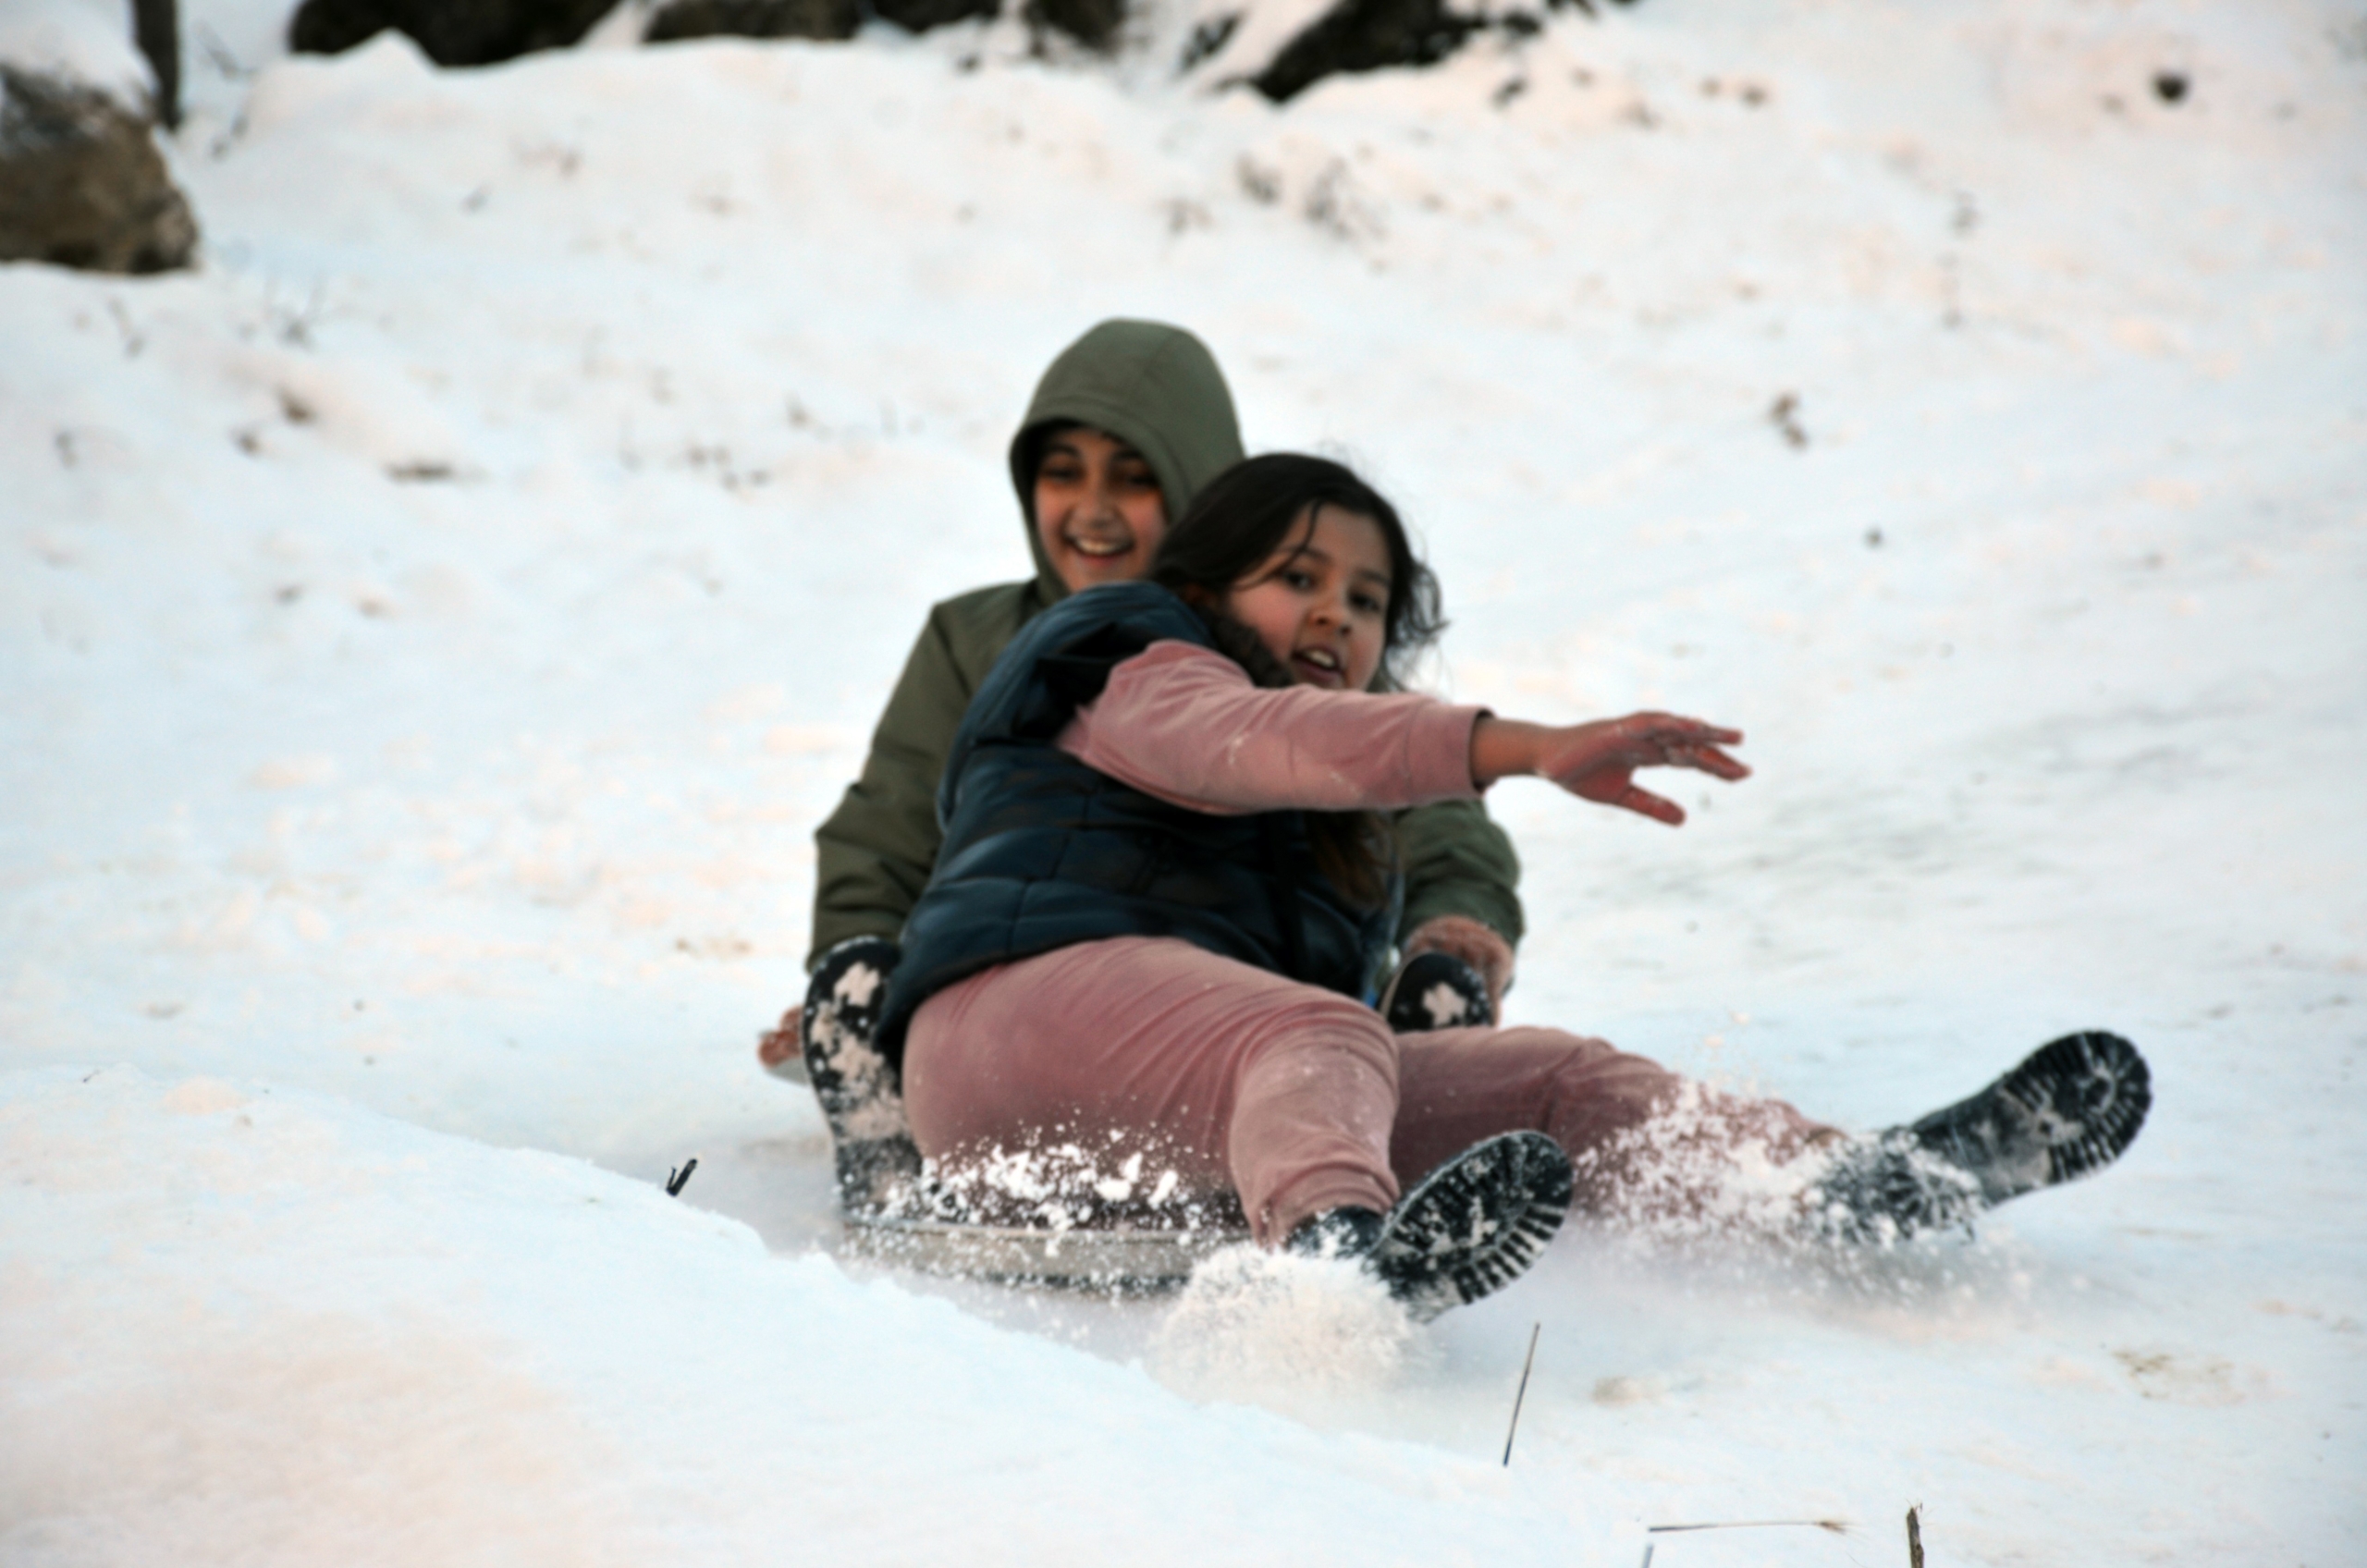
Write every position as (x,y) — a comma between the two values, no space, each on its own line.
(1245,514)
(1236,525)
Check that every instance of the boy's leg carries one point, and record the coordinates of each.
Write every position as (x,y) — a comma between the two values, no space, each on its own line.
(1459,1085)
(1233,1075)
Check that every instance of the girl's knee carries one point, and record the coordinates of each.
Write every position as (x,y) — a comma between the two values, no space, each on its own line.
(1320,1024)
(1594,1090)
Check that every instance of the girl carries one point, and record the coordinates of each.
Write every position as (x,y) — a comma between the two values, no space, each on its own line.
(1165,884)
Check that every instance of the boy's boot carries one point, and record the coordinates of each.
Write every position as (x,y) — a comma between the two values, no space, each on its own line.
(1468,1229)
(2068,1109)
(1435,990)
(872,1142)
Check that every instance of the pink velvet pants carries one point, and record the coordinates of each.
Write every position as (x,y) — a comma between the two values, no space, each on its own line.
(1298,1098)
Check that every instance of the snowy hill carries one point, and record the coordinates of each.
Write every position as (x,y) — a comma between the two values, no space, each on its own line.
(432,629)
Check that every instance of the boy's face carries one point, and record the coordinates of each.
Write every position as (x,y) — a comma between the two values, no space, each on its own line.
(1098,511)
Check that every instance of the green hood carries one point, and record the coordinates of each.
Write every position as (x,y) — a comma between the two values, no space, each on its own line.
(1153,387)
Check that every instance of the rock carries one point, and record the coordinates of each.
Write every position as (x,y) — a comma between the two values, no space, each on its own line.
(754,18)
(81,183)
(451,32)
(813,19)
(1365,35)
(1093,23)
(919,16)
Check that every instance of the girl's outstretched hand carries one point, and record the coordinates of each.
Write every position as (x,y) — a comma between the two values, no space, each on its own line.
(1598,761)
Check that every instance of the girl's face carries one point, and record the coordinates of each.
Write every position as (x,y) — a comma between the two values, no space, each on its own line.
(1098,511)
(1320,603)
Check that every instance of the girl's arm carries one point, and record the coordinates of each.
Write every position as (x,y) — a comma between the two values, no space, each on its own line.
(1598,761)
(1186,724)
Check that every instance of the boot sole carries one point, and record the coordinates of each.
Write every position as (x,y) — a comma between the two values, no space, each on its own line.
(2071,1109)
(1474,1225)
(871,1144)
(1411,1005)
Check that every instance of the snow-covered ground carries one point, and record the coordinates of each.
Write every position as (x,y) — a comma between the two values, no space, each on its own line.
(430,633)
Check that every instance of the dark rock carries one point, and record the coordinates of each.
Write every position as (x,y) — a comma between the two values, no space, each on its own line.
(452,32)
(1365,35)
(919,16)
(2169,86)
(754,18)
(81,183)
(1093,23)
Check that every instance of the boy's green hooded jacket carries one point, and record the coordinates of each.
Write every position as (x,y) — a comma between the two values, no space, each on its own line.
(1157,388)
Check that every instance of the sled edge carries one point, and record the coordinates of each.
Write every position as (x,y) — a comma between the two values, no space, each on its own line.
(1123,1259)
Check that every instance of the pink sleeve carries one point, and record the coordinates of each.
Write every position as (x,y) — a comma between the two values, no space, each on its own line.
(1186,724)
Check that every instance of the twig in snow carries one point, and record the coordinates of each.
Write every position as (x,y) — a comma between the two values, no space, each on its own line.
(677,1180)
(1648,1554)
(219,56)
(1522,1393)
(1915,1536)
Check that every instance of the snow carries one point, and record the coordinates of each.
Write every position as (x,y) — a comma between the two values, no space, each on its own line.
(87,41)
(433,629)
(383,1345)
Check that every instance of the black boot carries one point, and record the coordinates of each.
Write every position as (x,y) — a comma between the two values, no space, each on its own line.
(872,1143)
(1436,990)
(2067,1111)
(1340,1232)
(1467,1230)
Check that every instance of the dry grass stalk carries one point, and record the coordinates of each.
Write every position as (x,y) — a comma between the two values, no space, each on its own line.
(1522,1393)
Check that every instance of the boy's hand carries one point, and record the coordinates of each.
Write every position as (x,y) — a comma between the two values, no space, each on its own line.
(1489,956)
(1598,761)
(778,1050)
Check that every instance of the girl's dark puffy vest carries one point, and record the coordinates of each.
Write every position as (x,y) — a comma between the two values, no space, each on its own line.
(1042,852)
